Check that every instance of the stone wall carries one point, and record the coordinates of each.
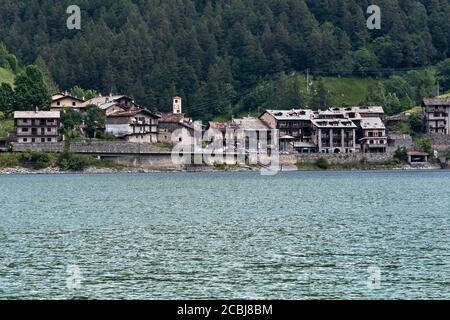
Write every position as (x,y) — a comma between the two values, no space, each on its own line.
(440,143)
(399,140)
(38,147)
(161,162)
(116,147)
(346,158)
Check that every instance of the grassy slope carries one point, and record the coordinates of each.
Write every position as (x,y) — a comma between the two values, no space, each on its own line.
(6,126)
(6,76)
(348,91)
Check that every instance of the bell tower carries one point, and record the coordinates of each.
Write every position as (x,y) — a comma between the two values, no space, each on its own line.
(177,105)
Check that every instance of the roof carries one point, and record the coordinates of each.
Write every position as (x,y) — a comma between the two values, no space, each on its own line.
(67,97)
(131,113)
(105,99)
(222,125)
(437,102)
(333,123)
(365,109)
(372,123)
(294,114)
(37,114)
(250,123)
(172,117)
(417,153)
(107,105)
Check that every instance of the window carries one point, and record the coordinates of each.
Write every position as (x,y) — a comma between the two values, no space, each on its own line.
(49,129)
(24,129)
(33,140)
(58,103)
(42,139)
(74,104)
(49,139)
(25,140)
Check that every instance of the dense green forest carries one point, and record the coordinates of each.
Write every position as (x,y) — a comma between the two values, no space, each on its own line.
(225,56)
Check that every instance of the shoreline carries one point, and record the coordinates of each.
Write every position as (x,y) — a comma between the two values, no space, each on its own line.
(94,170)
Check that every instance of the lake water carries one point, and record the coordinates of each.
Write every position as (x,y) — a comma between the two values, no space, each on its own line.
(306,235)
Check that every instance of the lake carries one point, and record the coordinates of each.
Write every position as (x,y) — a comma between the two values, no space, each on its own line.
(297,235)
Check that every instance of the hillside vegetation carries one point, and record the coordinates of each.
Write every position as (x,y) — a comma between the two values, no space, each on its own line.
(6,76)
(213,53)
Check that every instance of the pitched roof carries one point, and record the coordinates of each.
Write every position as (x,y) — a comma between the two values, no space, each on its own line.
(105,99)
(132,113)
(68,97)
(222,125)
(372,123)
(172,117)
(250,123)
(437,102)
(37,114)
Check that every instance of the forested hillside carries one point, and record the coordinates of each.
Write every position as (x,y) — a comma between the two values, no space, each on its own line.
(214,53)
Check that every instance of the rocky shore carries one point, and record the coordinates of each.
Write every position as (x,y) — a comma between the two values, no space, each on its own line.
(285,168)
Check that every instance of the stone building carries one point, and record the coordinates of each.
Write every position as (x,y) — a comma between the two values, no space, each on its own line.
(139,126)
(437,116)
(334,135)
(175,122)
(295,128)
(111,104)
(37,126)
(62,101)
(374,136)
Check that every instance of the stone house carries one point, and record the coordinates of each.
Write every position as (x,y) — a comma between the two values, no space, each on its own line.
(61,101)
(437,116)
(140,126)
(37,126)
(374,136)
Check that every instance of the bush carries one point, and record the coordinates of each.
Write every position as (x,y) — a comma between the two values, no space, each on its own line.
(9,160)
(38,160)
(322,163)
(401,154)
(75,162)
(425,145)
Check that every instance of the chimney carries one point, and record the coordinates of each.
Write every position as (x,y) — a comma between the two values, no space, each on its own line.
(177,105)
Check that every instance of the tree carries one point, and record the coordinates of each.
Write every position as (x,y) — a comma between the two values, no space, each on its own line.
(365,62)
(416,124)
(70,119)
(85,94)
(94,121)
(31,91)
(322,98)
(444,74)
(425,145)
(6,98)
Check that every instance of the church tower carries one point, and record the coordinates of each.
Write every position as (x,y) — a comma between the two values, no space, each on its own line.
(177,105)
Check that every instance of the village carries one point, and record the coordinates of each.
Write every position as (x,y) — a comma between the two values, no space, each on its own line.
(341,134)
